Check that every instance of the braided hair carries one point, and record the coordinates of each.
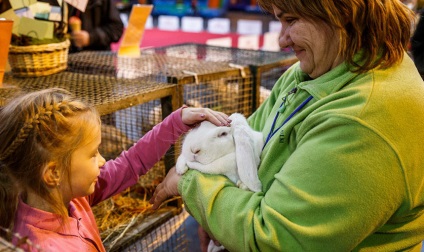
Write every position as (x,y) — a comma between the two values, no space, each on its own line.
(35,129)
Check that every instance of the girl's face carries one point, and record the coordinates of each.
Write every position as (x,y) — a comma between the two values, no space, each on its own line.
(314,43)
(85,164)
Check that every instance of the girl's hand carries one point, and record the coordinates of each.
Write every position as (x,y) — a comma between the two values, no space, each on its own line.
(192,116)
(167,189)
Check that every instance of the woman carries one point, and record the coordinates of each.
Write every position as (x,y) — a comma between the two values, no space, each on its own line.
(101,26)
(345,173)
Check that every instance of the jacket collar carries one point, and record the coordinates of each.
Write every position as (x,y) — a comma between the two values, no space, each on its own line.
(27,215)
(326,84)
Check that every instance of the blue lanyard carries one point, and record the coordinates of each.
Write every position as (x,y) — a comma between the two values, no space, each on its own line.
(272,131)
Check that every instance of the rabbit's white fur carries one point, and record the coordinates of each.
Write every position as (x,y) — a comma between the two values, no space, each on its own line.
(232,151)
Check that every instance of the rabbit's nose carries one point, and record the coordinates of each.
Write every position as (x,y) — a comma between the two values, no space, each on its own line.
(195,151)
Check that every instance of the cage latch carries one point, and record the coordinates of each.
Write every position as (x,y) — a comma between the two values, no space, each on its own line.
(241,68)
(196,78)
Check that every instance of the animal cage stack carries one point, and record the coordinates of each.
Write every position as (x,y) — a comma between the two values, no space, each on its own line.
(200,83)
(120,102)
(21,244)
(132,95)
(266,67)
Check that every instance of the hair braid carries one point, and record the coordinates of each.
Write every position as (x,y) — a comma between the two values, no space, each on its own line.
(42,126)
(30,124)
(20,138)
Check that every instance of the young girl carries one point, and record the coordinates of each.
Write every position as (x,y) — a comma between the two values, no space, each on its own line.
(51,172)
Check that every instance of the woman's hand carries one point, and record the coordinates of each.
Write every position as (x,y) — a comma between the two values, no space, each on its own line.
(80,38)
(192,116)
(205,240)
(167,189)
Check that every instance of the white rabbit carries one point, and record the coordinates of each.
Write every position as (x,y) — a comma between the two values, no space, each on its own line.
(232,151)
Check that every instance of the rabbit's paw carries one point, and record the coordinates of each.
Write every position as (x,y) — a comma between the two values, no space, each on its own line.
(241,185)
(214,248)
(181,169)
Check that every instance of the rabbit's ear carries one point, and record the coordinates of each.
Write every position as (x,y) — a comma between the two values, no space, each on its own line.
(246,157)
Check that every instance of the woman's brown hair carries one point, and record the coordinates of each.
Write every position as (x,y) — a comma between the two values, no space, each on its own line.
(35,129)
(379,29)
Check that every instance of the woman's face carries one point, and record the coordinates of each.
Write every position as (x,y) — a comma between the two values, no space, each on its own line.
(314,43)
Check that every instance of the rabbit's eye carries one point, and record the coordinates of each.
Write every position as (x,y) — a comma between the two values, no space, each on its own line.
(223,134)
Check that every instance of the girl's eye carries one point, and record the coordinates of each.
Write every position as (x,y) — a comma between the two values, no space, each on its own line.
(95,154)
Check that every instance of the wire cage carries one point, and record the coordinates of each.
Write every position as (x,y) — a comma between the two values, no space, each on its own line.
(266,67)
(219,86)
(122,103)
(132,95)
(20,244)
(163,232)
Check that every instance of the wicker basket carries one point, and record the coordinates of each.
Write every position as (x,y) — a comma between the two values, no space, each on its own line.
(38,60)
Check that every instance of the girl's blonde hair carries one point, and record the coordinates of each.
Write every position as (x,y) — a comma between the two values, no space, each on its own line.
(37,128)
(379,29)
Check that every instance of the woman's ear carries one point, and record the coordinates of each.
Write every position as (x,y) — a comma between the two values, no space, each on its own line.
(51,174)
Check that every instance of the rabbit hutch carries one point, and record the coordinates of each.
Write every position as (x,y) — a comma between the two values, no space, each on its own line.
(132,95)
(120,102)
(266,67)
(220,86)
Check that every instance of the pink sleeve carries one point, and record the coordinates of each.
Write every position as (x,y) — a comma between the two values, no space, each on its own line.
(124,171)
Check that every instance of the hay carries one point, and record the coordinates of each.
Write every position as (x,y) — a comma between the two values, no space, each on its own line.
(117,214)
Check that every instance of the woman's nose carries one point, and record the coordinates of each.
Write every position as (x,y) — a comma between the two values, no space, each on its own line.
(284,39)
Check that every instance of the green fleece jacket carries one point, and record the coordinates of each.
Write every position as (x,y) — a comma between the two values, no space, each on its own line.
(344,174)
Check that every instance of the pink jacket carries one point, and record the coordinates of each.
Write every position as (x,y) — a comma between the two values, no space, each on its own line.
(44,228)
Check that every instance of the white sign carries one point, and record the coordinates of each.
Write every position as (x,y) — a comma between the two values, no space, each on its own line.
(223,42)
(249,27)
(79,4)
(274,26)
(149,23)
(250,42)
(219,25)
(55,14)
(192,24)
(168,23)
(271,42)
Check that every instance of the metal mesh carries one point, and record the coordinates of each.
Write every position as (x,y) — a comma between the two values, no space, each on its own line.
(161,237)
(126,107)
(217,85)
(257,58)
(6,246)
(21,243)
(108,94)
(134,94)
(266,67)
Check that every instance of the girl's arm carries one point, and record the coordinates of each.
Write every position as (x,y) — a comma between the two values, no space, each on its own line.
(124,171)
